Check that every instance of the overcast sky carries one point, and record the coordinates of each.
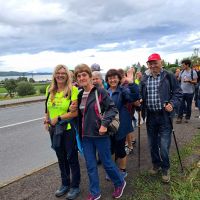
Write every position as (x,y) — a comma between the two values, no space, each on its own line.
(36,35)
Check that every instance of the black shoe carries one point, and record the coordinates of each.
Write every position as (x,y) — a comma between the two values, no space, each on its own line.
(73,193)
(61,191)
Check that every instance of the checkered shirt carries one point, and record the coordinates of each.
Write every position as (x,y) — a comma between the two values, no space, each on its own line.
(153,98)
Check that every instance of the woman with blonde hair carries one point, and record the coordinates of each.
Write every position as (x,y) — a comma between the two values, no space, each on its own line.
(60,94)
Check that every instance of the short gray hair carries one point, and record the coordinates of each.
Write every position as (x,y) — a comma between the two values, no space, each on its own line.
(97,73)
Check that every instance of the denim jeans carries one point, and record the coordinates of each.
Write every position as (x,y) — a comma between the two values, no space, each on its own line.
(67,156)
(102,145)
(159,131)
(186,106)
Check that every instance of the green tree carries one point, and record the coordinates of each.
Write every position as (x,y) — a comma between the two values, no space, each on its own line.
(176,62)
(43,89)
(25,88)
(22,78)
(31,80)
(10,85)
(143,68)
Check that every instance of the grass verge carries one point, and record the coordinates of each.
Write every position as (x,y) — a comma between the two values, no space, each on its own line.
(182,186)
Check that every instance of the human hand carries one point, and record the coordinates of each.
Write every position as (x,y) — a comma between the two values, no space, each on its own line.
(130,75)
(54,121)
(74,106)
(102,130)
(168,107)
(46,126)
(46,123)
(137,103)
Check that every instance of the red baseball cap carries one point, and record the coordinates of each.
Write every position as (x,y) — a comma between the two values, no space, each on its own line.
(154,56)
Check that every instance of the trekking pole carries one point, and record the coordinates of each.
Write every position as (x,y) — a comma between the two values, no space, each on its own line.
(139,118)
(175,141)
(177,147)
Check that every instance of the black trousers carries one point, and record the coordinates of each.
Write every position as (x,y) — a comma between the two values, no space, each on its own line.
(68,161)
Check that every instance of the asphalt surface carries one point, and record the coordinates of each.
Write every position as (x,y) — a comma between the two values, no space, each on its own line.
(25,145)
(42,184)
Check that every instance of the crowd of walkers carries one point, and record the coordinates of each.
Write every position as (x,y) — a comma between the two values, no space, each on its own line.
(81,106)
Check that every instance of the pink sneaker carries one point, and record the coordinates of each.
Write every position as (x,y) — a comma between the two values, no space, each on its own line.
(119,191)
(91,197)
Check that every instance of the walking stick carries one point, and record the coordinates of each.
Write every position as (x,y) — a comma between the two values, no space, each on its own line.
(179,157)
(175,141)
(139,118)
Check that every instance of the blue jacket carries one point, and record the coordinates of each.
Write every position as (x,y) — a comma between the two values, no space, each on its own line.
(121,96)
(169,91)
(90,121)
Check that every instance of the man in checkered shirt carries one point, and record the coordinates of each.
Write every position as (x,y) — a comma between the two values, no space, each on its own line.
(161,94)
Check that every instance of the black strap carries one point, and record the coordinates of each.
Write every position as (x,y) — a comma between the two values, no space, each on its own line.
(169,78)
(46,102)
(191,73)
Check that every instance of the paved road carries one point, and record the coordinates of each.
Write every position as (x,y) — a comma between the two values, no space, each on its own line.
(24,144)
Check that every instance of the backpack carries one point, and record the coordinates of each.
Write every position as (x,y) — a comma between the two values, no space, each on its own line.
(114,124)
(198,76)
(192,72)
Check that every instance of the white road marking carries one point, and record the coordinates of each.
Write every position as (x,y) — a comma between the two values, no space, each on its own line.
(19,123)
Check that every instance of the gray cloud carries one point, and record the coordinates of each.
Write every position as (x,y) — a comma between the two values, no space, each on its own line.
(76,25)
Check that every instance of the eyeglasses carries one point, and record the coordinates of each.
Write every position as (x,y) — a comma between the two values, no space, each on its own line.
(61,73)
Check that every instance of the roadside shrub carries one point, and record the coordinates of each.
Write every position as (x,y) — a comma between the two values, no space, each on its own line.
(22,78)
(43,89)
(31,80)
(25,88)
(10,85)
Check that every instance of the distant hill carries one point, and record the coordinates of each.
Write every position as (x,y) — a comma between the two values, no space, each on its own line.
(14,73)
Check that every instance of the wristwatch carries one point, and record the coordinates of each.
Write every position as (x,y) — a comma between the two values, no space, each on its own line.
(59,118)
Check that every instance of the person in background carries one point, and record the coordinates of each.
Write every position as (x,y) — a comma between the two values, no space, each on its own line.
(138,77)
(177,73)
(93,129)
(130,138)
(121,95)
(188,78)
(160,94)
(97,79)
(73,79)
(196,89)
(198,97)
(59,95)
(96,67)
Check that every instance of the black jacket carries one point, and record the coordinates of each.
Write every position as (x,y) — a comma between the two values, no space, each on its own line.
(90,121)
(169,91)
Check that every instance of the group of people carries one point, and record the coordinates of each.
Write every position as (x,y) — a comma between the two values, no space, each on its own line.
(72,118)
(190,84)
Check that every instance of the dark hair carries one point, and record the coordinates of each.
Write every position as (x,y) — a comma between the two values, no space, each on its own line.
(186,62)
(122,72)
(113,72)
